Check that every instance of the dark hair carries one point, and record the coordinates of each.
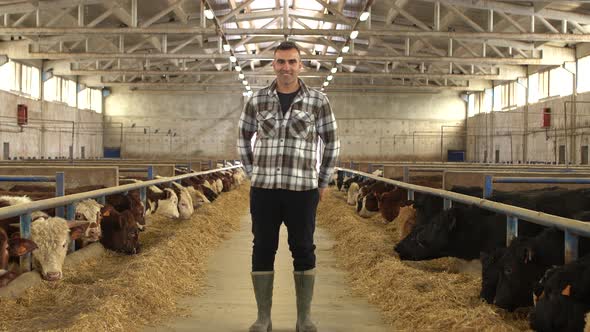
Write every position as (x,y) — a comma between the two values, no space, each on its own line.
(287,45)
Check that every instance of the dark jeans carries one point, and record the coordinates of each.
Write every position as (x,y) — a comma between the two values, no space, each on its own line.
(269,209)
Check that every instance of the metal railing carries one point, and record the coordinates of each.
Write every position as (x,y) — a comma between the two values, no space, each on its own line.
(24,210)
(569,226)
(149,170)
(570,239)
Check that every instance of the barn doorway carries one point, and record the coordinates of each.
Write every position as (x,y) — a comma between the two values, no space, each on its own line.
(6,154)
(584,156)
(561,154)
(497,156)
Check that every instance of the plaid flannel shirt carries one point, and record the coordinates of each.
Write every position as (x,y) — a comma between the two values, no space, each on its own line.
(284,155)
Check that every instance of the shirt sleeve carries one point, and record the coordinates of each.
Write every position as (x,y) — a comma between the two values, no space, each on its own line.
(328,131)
(247,126)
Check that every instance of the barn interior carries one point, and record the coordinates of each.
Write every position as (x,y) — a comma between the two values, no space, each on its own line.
(427,95)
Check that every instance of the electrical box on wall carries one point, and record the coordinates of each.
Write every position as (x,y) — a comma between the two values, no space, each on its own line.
(22,114)
(546,118)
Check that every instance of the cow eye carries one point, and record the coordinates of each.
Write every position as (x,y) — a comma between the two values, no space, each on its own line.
(507,270)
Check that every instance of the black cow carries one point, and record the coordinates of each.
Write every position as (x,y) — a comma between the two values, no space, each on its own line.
(516,269)
(462,232)
(563,298)
(523,264)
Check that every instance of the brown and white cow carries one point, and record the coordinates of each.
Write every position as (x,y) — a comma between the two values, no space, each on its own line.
(89,210)
(163,202)
(11,247)
(52,237)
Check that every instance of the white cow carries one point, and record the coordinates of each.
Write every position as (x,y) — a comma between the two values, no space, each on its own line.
(52,236)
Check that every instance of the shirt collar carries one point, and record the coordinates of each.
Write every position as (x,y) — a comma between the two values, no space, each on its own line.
(272,89)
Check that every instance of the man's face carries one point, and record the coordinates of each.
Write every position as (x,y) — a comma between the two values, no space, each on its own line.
(287,65)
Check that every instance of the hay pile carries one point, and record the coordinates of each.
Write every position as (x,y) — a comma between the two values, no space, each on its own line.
(117,292)
(430,295)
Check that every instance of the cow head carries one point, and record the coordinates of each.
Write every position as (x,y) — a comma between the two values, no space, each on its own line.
(120,231)
(429,241)
(89,210)
(517,275)
(490,273)
(52,237)
(185,204)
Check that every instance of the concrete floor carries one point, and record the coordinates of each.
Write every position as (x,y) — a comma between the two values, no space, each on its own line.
(228,303)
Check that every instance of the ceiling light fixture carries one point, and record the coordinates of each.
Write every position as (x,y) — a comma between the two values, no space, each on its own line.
(238,68)
(226,47)
(233,59)
(333,70)
(248,87)
(345,49)
(245,82)
(329,78)
(339,59)
(354,34)
(209,14)
(241,76)
(364,16)
(326,83)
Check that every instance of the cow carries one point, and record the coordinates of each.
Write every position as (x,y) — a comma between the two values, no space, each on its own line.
(185,201)
(352,194)
(12,247)
(390,203)
(525,262)
(52,236)
(527,273)
(562,297)
(89,210)
(132,202)
(405,220)
(163,202)
(120,231)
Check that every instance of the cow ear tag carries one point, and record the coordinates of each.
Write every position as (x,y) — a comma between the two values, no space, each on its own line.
(106,213)
(567,291)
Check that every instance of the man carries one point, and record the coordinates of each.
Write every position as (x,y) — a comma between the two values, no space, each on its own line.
(287,117)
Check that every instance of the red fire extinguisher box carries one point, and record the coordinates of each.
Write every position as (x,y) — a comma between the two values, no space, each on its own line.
(546,117)
(22,114)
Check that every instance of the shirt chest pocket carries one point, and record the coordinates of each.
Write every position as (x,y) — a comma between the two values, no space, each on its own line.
(267,124)
(300,124)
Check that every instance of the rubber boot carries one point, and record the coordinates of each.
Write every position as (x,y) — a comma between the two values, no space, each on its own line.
(263,283)
(304,281)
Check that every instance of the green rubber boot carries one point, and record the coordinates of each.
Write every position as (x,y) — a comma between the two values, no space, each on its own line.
(304,281)
(263,283)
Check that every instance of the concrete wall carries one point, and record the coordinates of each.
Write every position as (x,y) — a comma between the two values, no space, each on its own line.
(404,126)
(205,125)
(401,126)
(49,132)
(506,132)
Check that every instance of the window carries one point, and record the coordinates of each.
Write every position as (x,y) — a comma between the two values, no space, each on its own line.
(544,84)
(52,89)
(20,78)
(497,98)
(520,91)
(533,88)
(96,100)
(69,92)
(584,80)
(508,95)
(561,82)
(84,99)
(487,101)
(471,105)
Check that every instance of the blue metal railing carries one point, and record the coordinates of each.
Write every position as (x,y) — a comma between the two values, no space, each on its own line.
(570,239)
(149,170)
(570,226)
(25,227)
(25,210)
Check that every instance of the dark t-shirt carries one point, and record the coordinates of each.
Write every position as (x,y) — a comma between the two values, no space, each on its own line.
(286,100)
